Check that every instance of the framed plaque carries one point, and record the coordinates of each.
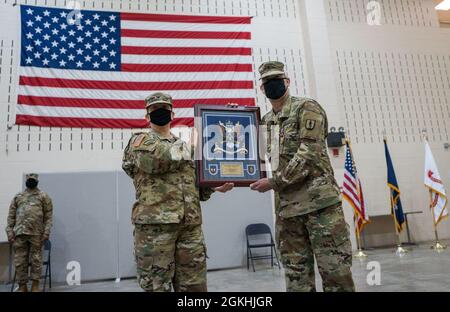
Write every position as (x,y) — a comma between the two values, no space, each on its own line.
(228,145)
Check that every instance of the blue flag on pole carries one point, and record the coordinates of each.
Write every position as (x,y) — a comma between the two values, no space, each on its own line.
(396,204)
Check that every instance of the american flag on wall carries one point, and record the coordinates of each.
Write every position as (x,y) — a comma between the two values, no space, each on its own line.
(95,68)
(352,191)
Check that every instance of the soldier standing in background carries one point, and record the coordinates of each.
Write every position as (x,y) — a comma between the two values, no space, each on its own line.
(169,245)
(29,224)
(310,219)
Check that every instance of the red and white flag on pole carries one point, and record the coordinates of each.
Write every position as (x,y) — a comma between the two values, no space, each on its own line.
(352,191)
(433,181)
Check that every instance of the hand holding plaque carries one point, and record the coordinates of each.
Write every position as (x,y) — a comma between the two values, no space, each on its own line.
(261,186)
(224,188)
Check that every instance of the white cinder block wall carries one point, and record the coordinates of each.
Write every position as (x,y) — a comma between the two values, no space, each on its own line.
(393,79)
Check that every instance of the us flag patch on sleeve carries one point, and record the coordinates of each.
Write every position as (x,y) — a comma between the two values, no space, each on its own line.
(138,140)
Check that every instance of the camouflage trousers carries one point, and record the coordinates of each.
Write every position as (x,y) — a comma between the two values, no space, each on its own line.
(324,235)
(170,255)
(28,249)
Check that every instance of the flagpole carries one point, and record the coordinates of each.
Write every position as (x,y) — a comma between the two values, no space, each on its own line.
(400,250)
(437,246)
(358,245)
(360,254)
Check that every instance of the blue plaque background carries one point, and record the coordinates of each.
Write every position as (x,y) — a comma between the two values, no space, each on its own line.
(213,135)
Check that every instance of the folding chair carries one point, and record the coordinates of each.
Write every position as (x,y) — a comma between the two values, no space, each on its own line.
(260,229)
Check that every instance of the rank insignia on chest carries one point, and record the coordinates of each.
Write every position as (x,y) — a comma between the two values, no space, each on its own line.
(310,124)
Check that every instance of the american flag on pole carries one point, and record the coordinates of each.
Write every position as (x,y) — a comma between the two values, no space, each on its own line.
(95,68)
(352,191)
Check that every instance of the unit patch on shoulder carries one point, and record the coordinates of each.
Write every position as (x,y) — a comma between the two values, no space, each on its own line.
(310,124)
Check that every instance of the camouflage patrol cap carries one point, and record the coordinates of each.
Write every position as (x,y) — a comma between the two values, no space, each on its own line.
(158,98)
(33,176)
(272,68)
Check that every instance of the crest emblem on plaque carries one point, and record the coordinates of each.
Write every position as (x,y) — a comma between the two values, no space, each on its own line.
(233,140)
(213,169)
(251,169)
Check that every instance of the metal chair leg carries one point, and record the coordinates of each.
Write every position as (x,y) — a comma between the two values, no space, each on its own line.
(271,256)
(251,258)
(49,273)
(248,263)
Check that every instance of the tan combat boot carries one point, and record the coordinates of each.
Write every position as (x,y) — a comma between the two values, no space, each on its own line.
(35,286)
(22,288)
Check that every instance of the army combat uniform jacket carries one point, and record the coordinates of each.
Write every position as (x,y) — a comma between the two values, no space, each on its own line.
(30,213)
(165,180)
(304,177)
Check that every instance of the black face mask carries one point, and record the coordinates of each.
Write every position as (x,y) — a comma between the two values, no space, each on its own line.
(161,117)
(275,88)
(31,183)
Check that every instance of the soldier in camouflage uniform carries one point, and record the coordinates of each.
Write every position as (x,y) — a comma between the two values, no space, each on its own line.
(310,220)
(29,224)
(169,246)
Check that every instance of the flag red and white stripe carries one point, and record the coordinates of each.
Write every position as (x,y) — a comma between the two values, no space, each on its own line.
(196,59)
(352,191)
(433,181)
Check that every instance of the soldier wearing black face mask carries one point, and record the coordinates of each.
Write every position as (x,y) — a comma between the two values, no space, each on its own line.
(169,248)
(310,221)
(276,88)
(29,224)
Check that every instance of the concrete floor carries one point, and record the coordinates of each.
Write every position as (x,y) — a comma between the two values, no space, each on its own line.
(420,270)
